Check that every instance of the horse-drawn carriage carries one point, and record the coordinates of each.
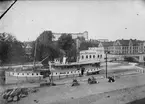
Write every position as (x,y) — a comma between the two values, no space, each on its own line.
(75,83)
(92,80)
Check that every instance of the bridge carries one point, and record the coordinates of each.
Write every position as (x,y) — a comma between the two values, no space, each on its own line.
(139,57)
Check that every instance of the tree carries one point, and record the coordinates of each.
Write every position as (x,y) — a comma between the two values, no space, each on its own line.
(11,50)
(16,53)
(65,42)
(45,47)
(86,44)
(45,38)
(72,54)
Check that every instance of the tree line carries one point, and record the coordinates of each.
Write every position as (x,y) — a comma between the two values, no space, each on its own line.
(13,51)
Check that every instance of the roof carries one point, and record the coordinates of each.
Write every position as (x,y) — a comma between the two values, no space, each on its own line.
(107,44)
(124,42)
(78,63)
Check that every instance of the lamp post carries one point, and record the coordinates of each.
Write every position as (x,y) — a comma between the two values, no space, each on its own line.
(34,62)
(51,81)
(106,64)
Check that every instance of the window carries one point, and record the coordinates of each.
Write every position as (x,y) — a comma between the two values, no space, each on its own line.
(32,74)
(22,73)
(98,56)
(90,56)
(37,74)
(82,57)
(86,56)
(93,56)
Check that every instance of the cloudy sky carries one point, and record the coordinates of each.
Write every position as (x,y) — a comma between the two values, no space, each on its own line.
(103,19)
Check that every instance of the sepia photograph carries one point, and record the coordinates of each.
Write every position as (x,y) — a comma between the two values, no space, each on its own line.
(72,51)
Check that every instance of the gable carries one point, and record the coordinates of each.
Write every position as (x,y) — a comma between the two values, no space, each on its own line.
(100,45)
(117,43)
(130,43)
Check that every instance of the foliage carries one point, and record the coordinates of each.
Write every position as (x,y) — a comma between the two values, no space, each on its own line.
(72,54)
(65,42)
(11,50)
(46,38)
(86,44)
(45,47)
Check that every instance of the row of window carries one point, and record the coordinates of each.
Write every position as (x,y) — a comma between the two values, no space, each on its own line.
(27,73)
(90,56)
(73,72)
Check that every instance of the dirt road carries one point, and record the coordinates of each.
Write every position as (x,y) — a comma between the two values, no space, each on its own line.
(124,90)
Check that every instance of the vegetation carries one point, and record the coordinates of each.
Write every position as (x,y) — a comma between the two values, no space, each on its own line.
(11,50)
(86,44)
(45,47)
(66,43)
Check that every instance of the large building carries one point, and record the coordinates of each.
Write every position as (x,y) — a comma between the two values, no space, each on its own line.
(124,46)
(128,47)
(103,40)
(74,35)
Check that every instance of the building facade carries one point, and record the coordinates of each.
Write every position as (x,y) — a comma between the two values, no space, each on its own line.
(103,40)
(92,54)
(107,46)
(74,35)
(28,48)
(128,47)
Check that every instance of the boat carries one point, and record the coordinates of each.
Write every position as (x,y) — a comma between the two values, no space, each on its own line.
(55,69)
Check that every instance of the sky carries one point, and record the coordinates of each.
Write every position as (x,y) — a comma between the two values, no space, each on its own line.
(103,19)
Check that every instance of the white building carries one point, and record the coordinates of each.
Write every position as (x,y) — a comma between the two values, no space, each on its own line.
(92,54)
(74,35)
(103,40)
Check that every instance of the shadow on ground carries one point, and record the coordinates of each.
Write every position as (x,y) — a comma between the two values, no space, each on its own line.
(140,101)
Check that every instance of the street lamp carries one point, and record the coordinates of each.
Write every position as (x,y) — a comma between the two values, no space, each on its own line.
(50,68)
(106,62)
